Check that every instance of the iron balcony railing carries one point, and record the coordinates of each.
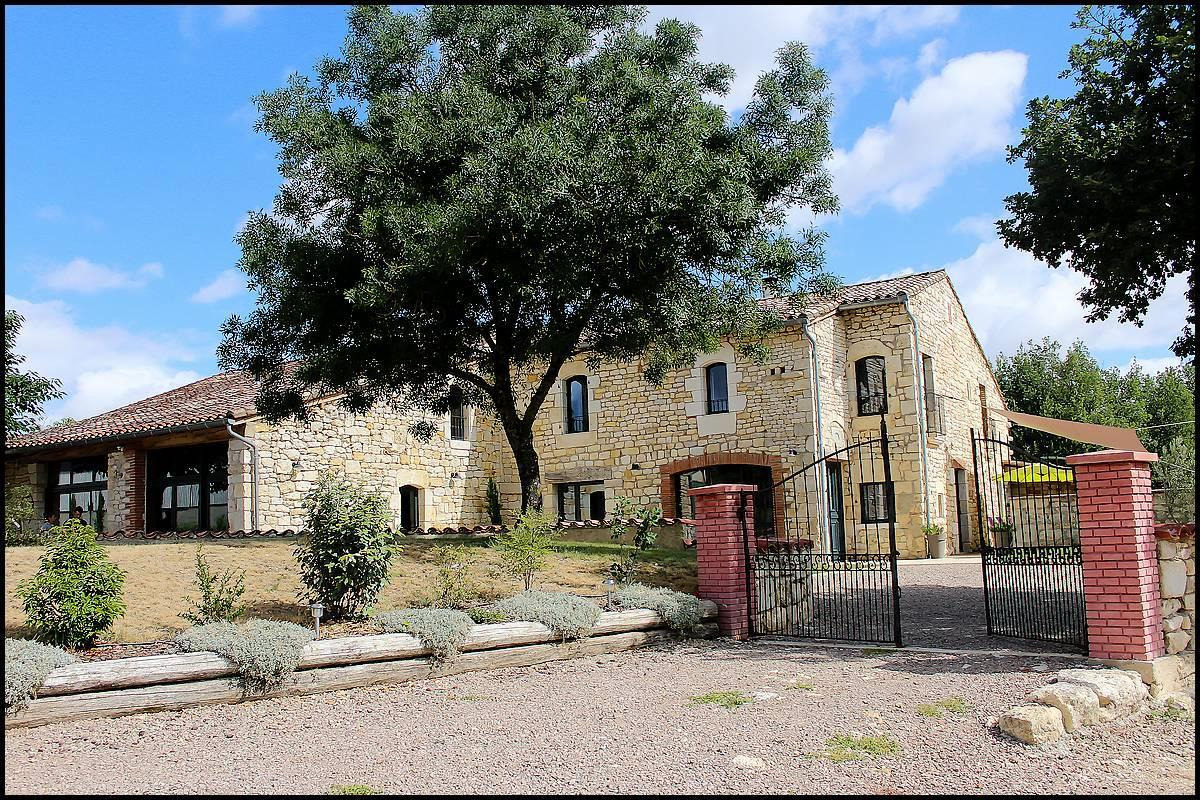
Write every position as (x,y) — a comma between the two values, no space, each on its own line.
(718,405)
(576,424)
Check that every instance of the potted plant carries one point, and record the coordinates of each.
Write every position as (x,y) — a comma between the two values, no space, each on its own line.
(1002,531)
(935,540)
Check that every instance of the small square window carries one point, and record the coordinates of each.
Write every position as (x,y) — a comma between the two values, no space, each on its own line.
(878,502)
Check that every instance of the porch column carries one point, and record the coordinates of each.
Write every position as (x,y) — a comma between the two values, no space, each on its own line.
(721,568)
(1120,561)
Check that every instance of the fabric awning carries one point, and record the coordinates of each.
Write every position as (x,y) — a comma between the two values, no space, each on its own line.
(1102,435)
(1036,473)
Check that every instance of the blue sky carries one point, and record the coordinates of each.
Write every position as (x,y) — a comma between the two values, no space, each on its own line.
(130,162)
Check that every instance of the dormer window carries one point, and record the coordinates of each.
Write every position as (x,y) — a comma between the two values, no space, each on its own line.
(576,404)
(872,385)
(716,388)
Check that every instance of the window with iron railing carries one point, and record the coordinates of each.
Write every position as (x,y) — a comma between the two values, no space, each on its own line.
(458,417)
(575,402)
(716,384)
(871,384)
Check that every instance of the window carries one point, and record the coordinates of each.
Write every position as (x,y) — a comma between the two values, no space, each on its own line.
(458,416)
(764,513)
(872,386)
(983,411)
(716,387)
(575,391)
(933,416)
(878,502)
(82,483)
(410,508)
(581,501)
(188,488)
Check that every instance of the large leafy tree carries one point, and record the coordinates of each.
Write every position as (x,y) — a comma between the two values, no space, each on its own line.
(1040,378)
(1112,168)
(24,392)
(474,195)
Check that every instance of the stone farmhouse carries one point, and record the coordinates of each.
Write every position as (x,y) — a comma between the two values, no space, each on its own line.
(200,457)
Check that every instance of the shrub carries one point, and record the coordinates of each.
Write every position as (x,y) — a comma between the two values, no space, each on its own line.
(493,503)
(345,557)
(524,549)
(452,585)
(265,652)
(482,615)
(680,611)
(26,665)
(76,592)
(442,630)
(723,699)
(220,594)
(644,537)
(21,526)
(568,616)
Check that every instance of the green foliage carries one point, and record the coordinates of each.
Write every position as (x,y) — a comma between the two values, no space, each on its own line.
(723,699)
(568,616)
(524,548)
(1042,379)
(76,592)
(934,530)
(453,586)
(936,709)
(352,788)
(801,684)
(486,616)
(1175,474)
(220,594)
(642,522)
(18,509)
(844,747)
(493,503)
(572,177)
(264,651)
(26,665)
(1112,168)
(24,392)
(680,611)
(442,630)
(344,558)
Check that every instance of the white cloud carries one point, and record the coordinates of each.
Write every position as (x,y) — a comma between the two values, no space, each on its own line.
(82,275)
(746,37)
(1011,297)
(979,226)
(237,16)
(954,118)
(930,55)
(101,368)
(227,284)
(1153,365)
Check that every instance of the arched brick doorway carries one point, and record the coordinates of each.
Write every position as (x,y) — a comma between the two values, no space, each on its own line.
(771,474)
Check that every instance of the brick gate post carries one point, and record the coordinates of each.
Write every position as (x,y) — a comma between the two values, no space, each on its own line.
(721,567)
(1120,561)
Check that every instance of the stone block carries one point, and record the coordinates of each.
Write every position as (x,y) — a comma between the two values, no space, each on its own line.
(1172,578)
(1033,724)
(1177,641)
(1119,691)
(1079,705)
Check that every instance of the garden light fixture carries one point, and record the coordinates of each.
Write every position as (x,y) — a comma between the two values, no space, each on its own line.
(317,610)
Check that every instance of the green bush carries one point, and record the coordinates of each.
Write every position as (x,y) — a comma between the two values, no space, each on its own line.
(453,586)
(524,549)
(642,522)
(680,611)
(265,652)
(484,615)
(76,592)
(568,616)
(220,594)
(442,630)
(493,503)
(21,526)
(26,665)
(345,557)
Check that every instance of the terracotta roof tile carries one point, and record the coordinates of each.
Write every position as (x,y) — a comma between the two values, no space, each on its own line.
(816,306)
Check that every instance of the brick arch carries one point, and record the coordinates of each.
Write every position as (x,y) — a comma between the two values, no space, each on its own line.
(667,473)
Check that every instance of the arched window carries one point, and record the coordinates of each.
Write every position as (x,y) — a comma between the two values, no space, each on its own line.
(410,508)
(872,385)
(575,396)
(458,415)
(716,387)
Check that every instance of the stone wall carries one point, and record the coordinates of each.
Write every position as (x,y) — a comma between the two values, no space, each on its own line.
(1177,585)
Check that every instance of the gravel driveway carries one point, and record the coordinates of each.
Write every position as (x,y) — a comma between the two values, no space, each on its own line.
(620,723)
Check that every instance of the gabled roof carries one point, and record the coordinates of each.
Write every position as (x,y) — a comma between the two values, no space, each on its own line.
(816,306)
(208,400)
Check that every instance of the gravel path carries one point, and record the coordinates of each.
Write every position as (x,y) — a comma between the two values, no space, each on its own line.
(619,723)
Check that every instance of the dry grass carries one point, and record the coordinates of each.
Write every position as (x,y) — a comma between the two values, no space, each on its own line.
(161,575)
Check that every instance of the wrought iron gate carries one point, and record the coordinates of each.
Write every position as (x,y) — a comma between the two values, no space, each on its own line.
(824,566)
(1029,536)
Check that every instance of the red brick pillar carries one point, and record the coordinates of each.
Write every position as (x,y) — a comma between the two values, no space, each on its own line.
(1120,558)
(721,566)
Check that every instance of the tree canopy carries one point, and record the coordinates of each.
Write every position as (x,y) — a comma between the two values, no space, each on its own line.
(1042,379)
(474,195)
(1112,168)
(24,392)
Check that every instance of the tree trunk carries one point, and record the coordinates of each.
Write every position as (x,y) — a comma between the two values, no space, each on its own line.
(528,469)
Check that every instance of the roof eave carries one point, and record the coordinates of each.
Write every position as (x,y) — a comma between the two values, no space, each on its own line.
(218,422)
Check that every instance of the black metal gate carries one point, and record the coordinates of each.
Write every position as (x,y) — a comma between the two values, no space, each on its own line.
(825,565)
(1029,537)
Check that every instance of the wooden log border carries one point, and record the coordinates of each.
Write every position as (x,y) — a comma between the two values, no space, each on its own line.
(144,684)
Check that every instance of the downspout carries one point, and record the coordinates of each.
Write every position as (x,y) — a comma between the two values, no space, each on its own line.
(814,380)
(253,471)
(919,369)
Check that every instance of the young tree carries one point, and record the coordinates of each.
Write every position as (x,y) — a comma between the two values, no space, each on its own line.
(24,392)
(474,195)
(1112,169)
